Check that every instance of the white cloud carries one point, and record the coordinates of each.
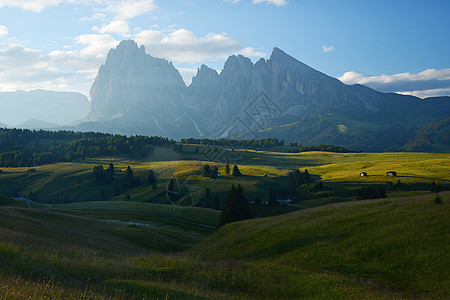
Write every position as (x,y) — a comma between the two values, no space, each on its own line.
(25,68)
(130,9)
(274,2)
(428,93)
(427,75)
(115,26)
(183,46)
(119,9)
(327,49)
(34,5)
(428,82)
(250,52)
(3,31)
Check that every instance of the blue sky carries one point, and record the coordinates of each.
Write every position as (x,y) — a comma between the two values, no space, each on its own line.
(399,46)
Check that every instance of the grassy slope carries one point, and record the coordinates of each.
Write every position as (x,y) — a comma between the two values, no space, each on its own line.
(5,201)
(399,244)
(71,182)
(390,248)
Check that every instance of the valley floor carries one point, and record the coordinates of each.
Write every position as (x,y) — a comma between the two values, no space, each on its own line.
(82,240)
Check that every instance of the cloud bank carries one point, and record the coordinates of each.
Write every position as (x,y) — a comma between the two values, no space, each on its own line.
(428,83)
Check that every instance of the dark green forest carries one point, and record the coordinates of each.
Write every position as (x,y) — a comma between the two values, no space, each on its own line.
(25,148)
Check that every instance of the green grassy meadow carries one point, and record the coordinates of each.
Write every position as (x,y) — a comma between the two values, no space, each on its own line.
(75,245)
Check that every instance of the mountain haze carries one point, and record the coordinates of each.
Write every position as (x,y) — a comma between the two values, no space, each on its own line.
(49,106)
(280,97)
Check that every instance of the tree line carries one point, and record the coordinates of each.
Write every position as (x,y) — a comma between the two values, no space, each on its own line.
(296,147)
(265,143)
(23,147)
(250,143)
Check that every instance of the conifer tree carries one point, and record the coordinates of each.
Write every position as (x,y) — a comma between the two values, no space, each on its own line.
(208,203)
(236,171)
(227,169)
(235,207)
(151,177)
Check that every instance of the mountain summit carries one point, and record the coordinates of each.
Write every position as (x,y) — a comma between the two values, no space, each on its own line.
(137,93)
(281,97)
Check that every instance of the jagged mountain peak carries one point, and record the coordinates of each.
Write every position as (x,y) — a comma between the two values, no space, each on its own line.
(134,90)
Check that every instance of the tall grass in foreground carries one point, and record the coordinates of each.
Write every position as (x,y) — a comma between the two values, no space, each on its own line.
(377,249)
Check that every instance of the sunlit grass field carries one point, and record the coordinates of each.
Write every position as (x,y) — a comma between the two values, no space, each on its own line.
(340,172)
(76,245)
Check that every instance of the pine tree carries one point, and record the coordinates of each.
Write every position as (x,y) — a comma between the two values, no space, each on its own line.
(291,188)
(320,185)
(216,202)
(129,178)
(109,174)
(306,176)
(227,169)
(208,203)
(235,207)
(151,177)
(272,197)
(98,174)
(171,185)
(236,171)
(116,190)
(298,178)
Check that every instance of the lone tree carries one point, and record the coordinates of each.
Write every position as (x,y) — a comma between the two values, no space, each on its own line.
(227,169)
(110,173)
(151,177)
(208,203)
(130,181)
(272,197)
(236,171)
(98,174)
(235,207)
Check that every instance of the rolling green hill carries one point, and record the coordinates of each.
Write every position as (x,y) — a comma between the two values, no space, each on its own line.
(396,245)
(375,249)
(71,182)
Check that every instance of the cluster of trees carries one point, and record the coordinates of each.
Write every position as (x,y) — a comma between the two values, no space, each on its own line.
(373,192)
(22,147)
(297,179)
(296,148)
(260,143)
(100,175)
(235,207)
(131,181)
(212,173)
(435,188)
(208,202)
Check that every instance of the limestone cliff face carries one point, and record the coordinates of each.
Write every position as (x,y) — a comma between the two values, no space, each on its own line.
(135,90)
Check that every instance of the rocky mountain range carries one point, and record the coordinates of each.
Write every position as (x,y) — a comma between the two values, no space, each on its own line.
(281,97)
